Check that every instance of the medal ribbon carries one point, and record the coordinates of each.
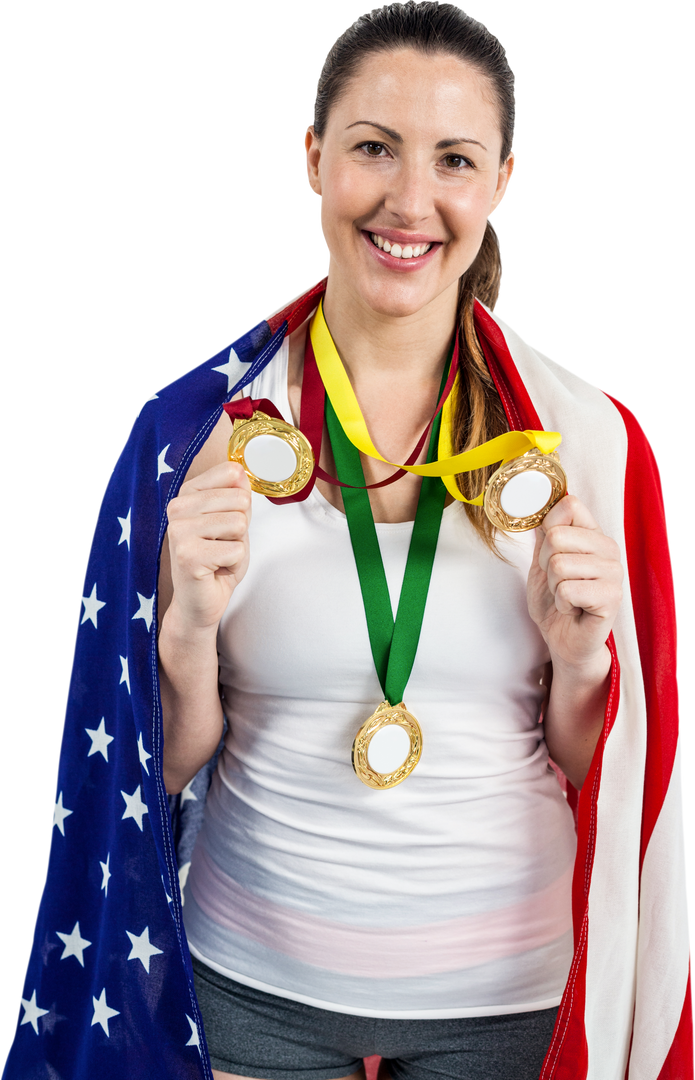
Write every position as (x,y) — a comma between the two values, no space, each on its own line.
(339,390)
(311,420)
(393,642)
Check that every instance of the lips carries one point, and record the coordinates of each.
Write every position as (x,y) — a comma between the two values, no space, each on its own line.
(400,252)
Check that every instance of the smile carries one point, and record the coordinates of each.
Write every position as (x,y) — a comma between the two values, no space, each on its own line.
(399,258)
(396,251)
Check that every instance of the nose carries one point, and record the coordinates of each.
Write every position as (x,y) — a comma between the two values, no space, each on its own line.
(410,195)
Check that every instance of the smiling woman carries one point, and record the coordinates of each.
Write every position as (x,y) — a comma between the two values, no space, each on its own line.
(384,201)
(437,884)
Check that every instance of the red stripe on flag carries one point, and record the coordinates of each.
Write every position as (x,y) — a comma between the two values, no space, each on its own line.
(299,310)
(649,569)
(679,1063)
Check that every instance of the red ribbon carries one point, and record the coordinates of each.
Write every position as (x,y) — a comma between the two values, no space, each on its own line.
(311,419)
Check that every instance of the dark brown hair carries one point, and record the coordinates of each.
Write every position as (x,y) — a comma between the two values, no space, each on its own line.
(431,27)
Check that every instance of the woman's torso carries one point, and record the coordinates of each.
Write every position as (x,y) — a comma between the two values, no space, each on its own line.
(448,895)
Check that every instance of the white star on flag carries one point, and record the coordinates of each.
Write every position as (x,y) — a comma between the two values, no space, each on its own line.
(187,794)
(169,899)
(144,612)
(125,677)
(125,529)
(162,466)
(150,397)
(142,949)
(143,755)
(195,1037)
(134,807)
(32,1012)
(106,874)
(183,878)
(100,740)
(92,605)
(74,944)
(232,369)
(60,813)
(102,1012)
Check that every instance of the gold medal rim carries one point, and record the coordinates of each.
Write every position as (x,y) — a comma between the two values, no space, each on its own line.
(262,424)
(382,717)
(532,461)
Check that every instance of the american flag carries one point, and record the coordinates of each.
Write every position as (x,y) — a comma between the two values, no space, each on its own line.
(109,987)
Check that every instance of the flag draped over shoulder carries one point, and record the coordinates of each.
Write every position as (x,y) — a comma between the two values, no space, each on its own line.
(109,988)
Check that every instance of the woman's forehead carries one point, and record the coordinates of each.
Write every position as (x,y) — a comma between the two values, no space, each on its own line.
(418,91)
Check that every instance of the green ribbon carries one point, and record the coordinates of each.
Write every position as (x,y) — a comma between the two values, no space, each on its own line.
(394,643)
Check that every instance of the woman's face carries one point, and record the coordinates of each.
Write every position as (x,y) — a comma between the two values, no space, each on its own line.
(410,156)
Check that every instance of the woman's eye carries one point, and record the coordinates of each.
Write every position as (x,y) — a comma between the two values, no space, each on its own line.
(374,149)
(455,161)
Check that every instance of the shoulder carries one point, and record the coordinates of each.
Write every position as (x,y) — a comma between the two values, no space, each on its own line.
(560,392)
(601,439)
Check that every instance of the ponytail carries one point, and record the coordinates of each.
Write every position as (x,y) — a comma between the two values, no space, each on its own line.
(479,412)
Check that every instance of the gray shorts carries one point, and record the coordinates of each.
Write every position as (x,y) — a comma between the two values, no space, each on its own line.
(252,1033)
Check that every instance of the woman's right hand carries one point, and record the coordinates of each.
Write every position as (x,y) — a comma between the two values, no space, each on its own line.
(208,543)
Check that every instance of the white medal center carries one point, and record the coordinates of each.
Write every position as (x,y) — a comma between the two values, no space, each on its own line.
(270,458)
(525,494)
(388,748)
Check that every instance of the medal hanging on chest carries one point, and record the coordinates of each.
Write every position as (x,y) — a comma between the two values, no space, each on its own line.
(388,745)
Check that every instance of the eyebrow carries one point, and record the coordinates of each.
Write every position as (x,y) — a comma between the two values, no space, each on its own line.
(443,144)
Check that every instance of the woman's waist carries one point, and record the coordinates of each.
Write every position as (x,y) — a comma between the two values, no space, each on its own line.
(423,842)
(362,929)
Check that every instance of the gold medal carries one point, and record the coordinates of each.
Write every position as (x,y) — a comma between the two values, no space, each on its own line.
(387,747)
(276,456)
(520,493)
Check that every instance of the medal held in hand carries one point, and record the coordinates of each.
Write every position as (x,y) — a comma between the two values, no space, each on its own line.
(277,457)
(521,492)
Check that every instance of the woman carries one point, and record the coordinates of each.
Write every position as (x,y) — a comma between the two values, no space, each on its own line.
(411,153)
(430,922)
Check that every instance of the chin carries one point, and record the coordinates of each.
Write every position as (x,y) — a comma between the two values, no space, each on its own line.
(398,300)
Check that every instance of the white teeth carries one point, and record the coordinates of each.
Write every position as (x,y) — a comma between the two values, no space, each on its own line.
(409,251)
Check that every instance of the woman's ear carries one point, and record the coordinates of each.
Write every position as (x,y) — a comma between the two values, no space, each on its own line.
(312,154)
(502,181)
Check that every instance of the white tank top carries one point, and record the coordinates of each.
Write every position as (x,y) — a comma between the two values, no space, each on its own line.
(446,896)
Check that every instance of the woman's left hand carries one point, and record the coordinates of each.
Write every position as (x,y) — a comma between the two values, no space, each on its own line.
(575,584)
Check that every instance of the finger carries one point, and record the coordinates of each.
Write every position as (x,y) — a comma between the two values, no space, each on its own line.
(207,557)
(227,474)
(589,597)
(225,554)
(567,567)
(191,503)
(571,539)
(569,511)
(185,533)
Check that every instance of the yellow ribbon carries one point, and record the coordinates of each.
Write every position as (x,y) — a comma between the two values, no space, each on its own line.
(339,389)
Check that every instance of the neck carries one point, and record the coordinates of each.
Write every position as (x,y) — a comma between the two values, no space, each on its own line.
(371,342)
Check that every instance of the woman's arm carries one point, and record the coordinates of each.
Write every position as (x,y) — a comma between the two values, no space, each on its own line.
(205,556)
(574,715)
(574,591)
(191,709)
